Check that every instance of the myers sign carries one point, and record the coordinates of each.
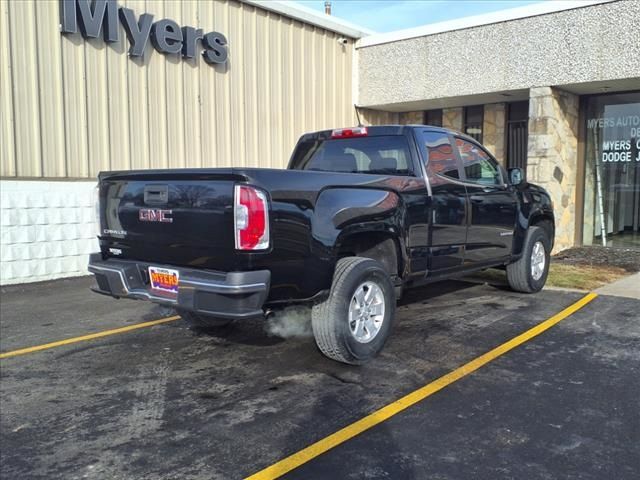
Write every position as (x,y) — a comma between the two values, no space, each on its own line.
(94,17)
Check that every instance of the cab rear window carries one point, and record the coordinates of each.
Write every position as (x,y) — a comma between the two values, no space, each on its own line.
(383,155)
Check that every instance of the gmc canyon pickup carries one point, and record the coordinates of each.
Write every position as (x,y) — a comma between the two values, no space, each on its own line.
(359,215)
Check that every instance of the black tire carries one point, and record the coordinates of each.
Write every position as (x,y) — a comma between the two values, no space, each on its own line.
(203,322)
(519,273)
(330,319)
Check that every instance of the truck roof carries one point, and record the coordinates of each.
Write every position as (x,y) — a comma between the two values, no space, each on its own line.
(388,129)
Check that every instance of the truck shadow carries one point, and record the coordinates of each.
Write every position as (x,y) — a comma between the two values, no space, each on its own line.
(433,290)
(294,323)
(242,332)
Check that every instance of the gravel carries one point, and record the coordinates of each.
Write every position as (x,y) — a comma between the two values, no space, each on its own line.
(626,258)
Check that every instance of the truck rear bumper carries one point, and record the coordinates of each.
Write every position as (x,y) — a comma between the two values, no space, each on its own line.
(220,294)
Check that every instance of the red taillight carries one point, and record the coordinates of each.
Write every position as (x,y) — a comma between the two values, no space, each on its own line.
(251,215)
(349,132)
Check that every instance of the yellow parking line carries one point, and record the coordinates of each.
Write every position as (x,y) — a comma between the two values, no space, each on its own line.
(318,448)
(104,333)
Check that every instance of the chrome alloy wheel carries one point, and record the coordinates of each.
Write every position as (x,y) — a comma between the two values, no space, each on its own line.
(366,312)
(538,260)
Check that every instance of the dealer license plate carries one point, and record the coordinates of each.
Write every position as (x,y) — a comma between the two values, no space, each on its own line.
(164,279)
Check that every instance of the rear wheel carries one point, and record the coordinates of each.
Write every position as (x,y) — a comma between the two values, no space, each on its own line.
(203,322)
(529,273)
(353,324)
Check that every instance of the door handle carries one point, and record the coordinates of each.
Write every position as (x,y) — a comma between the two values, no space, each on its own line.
(476,199)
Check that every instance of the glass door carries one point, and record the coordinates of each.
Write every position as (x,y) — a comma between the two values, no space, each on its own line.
(612,173)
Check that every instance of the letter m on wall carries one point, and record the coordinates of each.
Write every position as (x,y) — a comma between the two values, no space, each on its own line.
(91,16)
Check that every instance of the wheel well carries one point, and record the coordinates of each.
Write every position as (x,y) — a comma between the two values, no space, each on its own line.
(545,222)
(377,246)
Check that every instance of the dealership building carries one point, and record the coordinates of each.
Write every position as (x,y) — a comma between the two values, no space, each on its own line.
(88,86)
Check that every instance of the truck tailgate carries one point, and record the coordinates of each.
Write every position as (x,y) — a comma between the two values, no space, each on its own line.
(181,217)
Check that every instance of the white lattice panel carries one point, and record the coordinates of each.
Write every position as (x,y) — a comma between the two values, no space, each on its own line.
(47,229)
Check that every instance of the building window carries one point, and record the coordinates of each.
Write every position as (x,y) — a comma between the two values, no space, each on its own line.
(612,170)
(433,117)
(517,134)
(473,118)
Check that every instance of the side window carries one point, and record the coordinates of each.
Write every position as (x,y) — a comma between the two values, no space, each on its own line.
(441,160)
(478,166)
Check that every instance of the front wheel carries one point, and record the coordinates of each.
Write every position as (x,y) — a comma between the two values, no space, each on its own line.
(529,273)
(353,324)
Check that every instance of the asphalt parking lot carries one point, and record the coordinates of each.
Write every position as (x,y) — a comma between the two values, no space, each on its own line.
(168,402)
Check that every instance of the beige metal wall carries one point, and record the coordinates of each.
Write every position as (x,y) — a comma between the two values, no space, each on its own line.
(71,107)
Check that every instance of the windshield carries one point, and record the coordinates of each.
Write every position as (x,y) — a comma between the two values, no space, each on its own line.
(383,155)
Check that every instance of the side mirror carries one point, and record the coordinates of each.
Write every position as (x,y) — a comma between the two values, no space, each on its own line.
(516,177)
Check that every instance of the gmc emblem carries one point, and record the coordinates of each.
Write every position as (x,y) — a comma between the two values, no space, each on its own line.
(155,215)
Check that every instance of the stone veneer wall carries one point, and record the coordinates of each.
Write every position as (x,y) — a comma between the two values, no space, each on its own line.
(452,118)
(369,116)
(493,130)
(553,154)
(412,118)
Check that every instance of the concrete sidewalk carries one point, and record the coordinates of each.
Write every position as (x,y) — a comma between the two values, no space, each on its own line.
(628,287)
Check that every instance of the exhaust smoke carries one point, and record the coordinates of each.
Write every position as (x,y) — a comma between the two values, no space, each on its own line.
(290,322)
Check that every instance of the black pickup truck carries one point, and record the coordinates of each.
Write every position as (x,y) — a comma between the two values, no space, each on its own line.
(359,215)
